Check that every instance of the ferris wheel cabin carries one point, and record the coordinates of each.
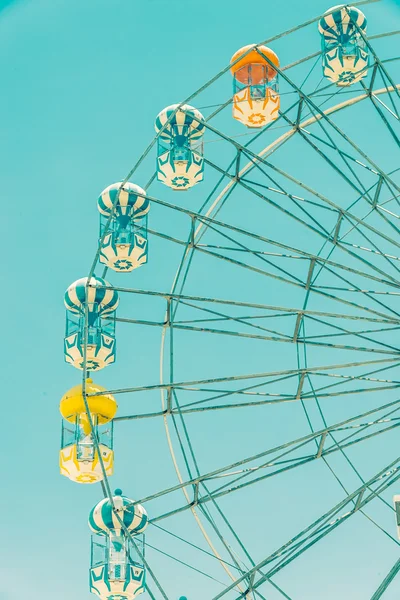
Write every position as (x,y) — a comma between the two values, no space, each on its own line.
(180,162)
(114,573)
(123,226)
(94,304)
(79,457)
(256,99)
(344,51)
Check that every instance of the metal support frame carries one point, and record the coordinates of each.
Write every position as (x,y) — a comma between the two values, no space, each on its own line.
(254,576)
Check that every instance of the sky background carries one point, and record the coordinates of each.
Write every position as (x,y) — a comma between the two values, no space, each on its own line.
(81,84)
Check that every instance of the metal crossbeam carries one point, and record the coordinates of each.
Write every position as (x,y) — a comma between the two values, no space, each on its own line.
(321,527)
(387,581)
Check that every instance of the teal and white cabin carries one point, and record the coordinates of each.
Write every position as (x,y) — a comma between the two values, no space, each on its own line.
(180,162)
(344,51)
(123,226)
(114,572)
(98,300)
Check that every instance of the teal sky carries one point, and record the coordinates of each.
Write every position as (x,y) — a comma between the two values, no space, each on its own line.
(81,84)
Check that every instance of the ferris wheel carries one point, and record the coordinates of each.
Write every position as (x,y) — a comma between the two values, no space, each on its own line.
(278,349)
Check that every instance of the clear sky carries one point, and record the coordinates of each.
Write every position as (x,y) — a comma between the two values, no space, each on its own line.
(81,84)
